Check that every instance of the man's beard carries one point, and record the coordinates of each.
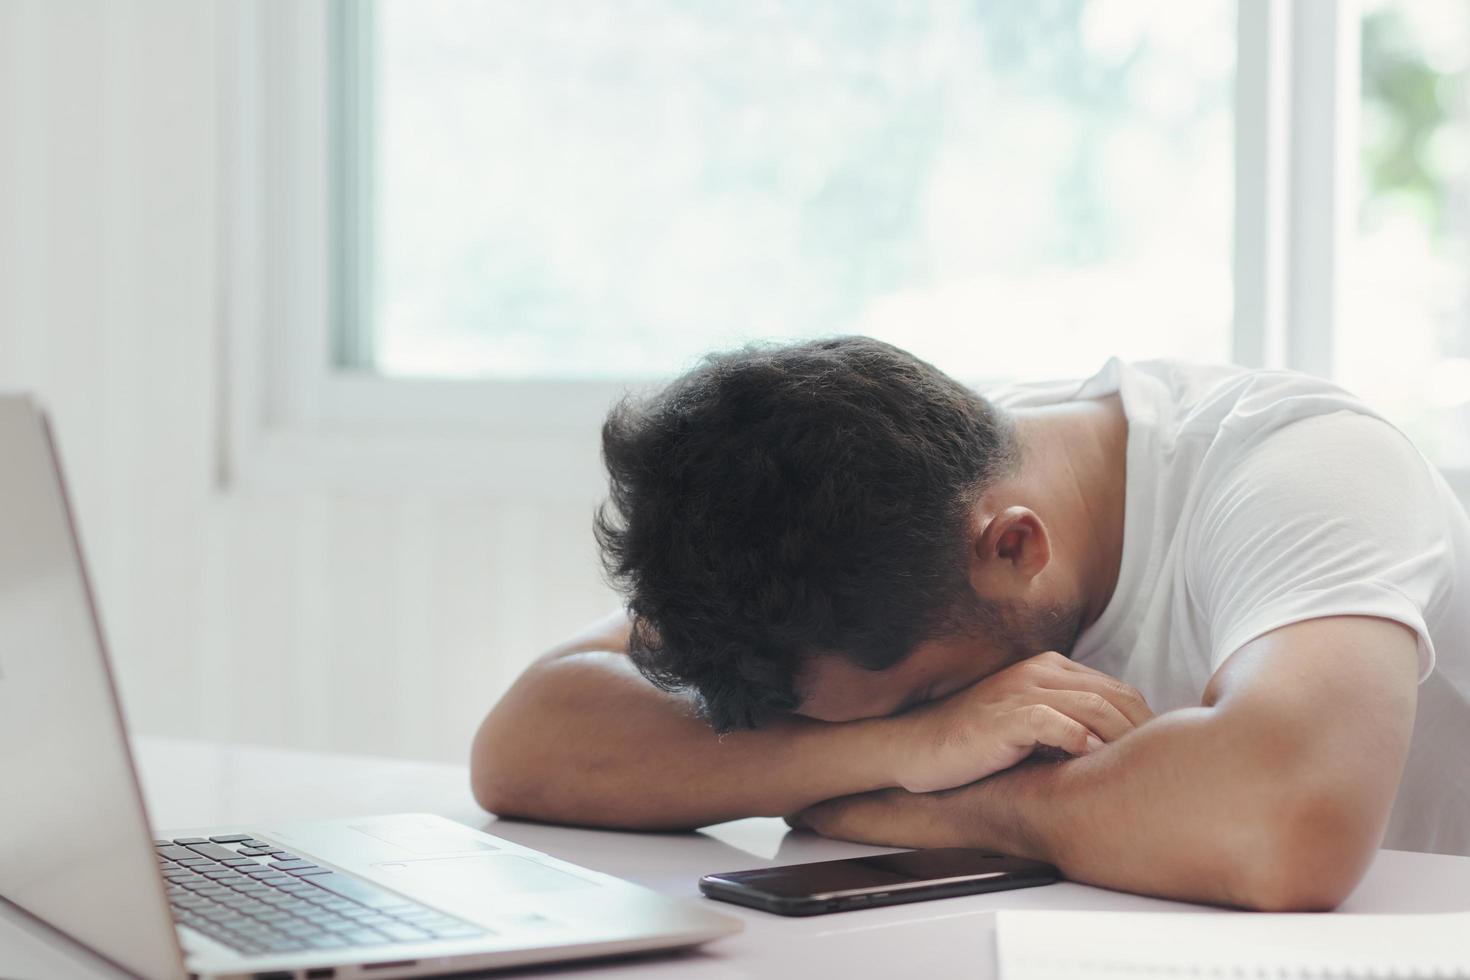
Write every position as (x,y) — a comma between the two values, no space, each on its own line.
(1025,629)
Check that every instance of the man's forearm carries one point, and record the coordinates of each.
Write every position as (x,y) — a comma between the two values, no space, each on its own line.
(584,739)
(626,754)
(1178,809)
(1273,795)
(1172,810)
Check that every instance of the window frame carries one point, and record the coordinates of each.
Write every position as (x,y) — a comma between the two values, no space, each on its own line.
(293,419)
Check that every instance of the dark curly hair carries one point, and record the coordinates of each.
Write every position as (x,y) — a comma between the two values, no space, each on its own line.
(777,501)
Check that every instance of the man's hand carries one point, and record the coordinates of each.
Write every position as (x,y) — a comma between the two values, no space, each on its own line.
(1046,701)
(898,818)
(1271,795)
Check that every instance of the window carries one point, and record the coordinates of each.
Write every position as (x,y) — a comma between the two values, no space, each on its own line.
(605,189)
(455,231)
(1405,326)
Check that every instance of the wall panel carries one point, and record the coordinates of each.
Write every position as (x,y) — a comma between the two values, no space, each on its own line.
(382,624)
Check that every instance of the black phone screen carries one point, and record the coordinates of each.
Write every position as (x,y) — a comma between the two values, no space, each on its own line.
(900,870)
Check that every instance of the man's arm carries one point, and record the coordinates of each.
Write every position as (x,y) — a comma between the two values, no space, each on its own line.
(583,738)
(1272,795)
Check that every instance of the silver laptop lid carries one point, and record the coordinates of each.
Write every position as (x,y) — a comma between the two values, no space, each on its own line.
(75,847)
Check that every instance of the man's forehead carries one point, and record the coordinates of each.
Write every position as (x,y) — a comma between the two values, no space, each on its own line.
(835,688)
(832,687)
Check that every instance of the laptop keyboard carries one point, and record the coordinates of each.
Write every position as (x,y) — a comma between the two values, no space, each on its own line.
(257,898)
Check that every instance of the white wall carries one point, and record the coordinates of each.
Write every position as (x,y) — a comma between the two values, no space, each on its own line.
(362,623)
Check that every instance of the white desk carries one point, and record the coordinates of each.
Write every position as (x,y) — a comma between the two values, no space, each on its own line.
(200,783)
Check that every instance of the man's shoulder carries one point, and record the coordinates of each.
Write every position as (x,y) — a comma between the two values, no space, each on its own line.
(1218,398)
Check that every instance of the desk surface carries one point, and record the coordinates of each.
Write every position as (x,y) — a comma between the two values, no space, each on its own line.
(201,784)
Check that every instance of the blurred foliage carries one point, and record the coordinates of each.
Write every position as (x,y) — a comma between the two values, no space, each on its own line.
(1411,103)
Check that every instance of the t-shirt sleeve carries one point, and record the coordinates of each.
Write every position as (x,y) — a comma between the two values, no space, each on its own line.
(1335,515)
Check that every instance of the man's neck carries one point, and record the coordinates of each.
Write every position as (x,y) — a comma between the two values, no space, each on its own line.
(1075,469)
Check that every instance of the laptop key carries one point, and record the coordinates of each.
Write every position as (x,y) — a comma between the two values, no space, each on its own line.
(249,942)
(291,864)
(409,914)
(251,929)
(402,933)
(230,838)
(364,937)
(325,941)
(170,853)
(246,904)
(184,841)
(404,911)
(213,851)
(299,929)
(357,891)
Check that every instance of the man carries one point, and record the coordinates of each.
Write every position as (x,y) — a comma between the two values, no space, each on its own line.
(863,597)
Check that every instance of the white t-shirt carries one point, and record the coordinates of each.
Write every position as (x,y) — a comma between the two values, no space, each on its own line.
(1256,499)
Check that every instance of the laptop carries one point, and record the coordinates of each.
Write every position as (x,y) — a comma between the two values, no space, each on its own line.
(380,896)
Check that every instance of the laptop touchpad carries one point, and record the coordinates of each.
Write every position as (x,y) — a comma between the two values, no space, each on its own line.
(479,876)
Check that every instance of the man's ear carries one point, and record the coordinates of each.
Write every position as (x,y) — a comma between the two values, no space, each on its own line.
(1008,550)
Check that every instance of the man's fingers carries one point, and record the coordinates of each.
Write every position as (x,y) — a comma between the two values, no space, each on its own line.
(1091,709)
(1041,724)
(1074,676)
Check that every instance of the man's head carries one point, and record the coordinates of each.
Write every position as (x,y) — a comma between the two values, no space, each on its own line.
(799,529)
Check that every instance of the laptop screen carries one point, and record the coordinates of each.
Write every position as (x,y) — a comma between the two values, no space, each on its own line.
(75,847)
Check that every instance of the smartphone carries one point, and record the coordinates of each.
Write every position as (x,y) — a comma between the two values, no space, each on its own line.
(883,879)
